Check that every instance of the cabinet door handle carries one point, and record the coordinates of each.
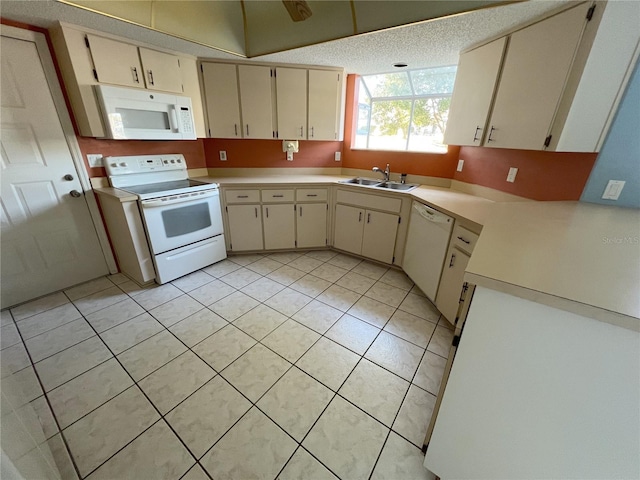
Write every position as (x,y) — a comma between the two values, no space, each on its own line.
(134,71)
(301,131)
(235,128)
(475,135)
(278,196)
(243,196)
(453,260)
(300,211)
(311,195)
(311,132)
(267,209)
(368,218)
(490,133)
(256,210)
(463,240)
(247,129)
(150,73)
(360,217)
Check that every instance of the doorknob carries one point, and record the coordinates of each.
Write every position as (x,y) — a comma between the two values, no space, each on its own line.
(68,177)
(75,193)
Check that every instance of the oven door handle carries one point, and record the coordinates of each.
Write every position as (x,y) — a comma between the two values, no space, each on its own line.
(163,203)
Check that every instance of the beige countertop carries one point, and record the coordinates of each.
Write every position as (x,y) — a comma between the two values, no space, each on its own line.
(121,195)
(551,251)
(460,205)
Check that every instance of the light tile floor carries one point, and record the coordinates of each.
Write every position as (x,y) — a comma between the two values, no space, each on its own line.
(288,365)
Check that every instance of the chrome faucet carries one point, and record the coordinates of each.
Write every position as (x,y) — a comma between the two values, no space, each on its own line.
(384,172)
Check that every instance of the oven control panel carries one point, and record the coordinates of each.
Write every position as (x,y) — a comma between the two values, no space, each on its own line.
(144,164)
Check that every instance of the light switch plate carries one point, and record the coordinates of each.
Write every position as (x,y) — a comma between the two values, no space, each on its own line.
(223,155)
(337,156)
(511,177)
(614,187)
(95,159)
(460,165)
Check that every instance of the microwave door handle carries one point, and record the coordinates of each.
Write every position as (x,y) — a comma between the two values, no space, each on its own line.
(175,125)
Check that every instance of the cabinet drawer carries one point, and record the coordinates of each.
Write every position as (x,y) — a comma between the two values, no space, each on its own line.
(464,239)
(275,196)
(242,196)
(377,202)
(311,195)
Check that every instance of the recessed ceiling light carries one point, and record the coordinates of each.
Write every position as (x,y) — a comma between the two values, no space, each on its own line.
(399,65)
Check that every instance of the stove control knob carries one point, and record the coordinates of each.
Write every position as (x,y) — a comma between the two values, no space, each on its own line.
(114,165)
(179,160)
(123,164)
(173,161)
(166,162)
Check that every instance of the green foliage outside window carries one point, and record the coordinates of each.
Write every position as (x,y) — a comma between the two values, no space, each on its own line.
(405,111)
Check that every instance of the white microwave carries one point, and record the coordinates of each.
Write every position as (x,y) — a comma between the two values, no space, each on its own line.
(135,114)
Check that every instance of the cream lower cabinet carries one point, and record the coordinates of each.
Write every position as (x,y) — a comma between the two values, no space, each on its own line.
(365,232)
(245,227)
(311,225)
(279,226)
(450,290)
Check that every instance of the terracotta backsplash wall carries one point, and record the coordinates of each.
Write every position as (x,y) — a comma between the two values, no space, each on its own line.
(193,150)
(541,175)
(268,153)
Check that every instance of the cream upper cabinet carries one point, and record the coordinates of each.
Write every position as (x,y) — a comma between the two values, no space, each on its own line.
(533,79)
(161,70)
(220,81)
(291,102)
(324,100)
(476,79)
(116,62)
(255,101)
(88,58)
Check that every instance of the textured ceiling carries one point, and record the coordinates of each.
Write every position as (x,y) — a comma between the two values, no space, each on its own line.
(421,45)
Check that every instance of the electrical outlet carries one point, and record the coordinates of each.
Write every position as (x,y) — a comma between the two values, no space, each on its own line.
(223,155)
(614,187)
(337,156)
(511,177)
(95,159)
(460,165)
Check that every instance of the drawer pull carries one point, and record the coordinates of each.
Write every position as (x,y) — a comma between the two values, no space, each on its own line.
(368,218)
(243,196)
(453,260)
(277,196)
(463,240)
(475,135)
(311,195)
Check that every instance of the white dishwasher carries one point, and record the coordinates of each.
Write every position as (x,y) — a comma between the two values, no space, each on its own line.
(427,242)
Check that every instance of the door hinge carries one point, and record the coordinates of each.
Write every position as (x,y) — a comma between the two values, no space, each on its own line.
(399,219)
(209,132)
(95,75)
(295,243)
(327,206)
(456,340)
(86,41)
(590,13)
(547,141)
(294,208)
(393,259)
(178,63)
(231,246)
(226,209)
(201,69)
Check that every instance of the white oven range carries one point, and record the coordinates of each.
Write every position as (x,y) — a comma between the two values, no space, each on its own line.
(182,217)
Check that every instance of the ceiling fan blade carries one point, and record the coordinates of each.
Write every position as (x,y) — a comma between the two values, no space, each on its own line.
(298,9)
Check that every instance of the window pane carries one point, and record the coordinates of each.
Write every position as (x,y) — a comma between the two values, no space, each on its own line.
(364,107)
(429,121)
(389,124)
(388,85)
(433,80)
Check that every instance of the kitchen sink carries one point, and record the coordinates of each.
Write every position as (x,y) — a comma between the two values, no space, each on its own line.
(405,187)
(362,181)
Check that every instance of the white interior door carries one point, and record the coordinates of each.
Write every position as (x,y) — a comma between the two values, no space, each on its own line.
(48,239)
